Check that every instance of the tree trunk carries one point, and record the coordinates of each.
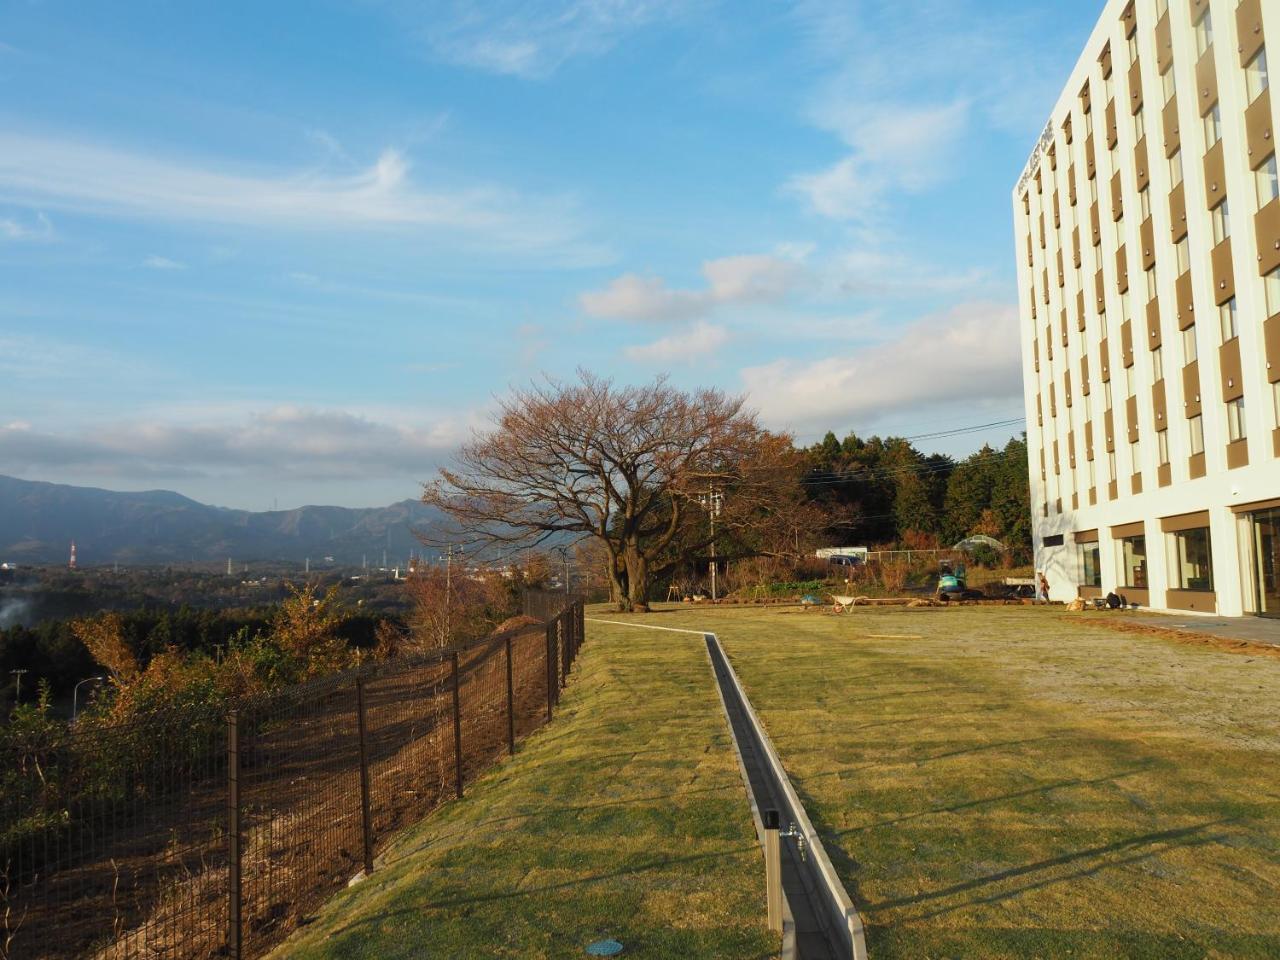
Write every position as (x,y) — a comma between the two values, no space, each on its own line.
(637,579)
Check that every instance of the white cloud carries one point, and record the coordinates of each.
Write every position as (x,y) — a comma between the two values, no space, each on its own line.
(284,441)
(14,229)
(155,262)
(684,347)
(91,178)
(520,39)
(744,279)
(893,147)
(964,355)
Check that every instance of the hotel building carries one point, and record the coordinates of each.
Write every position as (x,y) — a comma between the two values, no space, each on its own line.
(1147,227)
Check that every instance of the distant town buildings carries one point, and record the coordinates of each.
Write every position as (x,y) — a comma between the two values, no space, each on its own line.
(1148,250)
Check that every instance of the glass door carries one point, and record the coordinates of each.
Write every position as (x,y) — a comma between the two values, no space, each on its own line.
(1266,558)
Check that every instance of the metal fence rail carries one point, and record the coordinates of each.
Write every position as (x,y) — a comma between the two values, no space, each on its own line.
(213,833)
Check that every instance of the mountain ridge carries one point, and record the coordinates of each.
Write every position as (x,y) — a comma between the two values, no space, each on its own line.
(40,519)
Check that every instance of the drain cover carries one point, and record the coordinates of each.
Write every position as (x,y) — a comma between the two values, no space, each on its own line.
(604,948)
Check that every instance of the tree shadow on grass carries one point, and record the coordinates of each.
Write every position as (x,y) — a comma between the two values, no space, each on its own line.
(661,863)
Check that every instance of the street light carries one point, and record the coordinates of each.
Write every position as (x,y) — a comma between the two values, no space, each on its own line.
(75,694)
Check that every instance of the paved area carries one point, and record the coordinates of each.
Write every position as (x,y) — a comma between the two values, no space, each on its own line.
(1254,629)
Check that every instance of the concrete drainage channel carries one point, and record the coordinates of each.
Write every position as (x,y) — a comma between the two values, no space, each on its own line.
(818,920)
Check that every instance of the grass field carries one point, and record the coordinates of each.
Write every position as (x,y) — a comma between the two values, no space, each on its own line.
(625,818)
(1008,782)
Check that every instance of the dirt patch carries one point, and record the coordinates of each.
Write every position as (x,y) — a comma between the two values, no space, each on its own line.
(1226,644)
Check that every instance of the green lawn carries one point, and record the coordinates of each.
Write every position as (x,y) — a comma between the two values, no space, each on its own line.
(626,818)
(1011,782)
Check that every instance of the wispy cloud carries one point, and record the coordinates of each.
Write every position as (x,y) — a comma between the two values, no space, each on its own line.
(745,279)
(155,262)
(38,229)
(686,346)
(902,122)
(520,39)
(966,354)
(105,180)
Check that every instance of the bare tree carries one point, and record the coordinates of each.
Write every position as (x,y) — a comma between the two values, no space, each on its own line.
(622,465)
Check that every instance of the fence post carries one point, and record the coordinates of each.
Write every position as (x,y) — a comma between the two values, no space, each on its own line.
(366,819)
(773,870)
(562,622)
(511,704)
(234,858)
(551,669)
(457,727)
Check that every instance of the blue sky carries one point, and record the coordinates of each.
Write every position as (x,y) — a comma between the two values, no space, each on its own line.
(290,253)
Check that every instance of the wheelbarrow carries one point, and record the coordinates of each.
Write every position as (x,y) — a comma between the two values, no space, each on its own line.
(840,604)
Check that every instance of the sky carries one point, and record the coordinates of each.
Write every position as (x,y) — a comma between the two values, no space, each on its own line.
(269,254)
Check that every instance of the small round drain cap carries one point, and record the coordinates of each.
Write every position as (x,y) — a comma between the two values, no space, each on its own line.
(604,948)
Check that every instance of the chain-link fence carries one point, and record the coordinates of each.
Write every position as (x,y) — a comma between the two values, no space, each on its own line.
(213,833)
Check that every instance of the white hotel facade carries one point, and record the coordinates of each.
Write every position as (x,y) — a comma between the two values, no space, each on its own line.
(1148,249)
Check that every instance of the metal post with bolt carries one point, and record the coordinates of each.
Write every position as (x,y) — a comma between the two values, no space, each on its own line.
(457,727)
(366,817)
(234,853)
(773,870)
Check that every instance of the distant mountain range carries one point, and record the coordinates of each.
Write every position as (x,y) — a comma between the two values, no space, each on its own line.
(38,522)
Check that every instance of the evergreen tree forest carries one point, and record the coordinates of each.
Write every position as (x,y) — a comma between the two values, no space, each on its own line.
(897,495)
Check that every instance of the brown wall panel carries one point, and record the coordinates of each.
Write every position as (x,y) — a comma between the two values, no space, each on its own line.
(1191,406)
(1249,29)
(1131,417)
(1159,406)
(1196,466)
(1257,123)
(1148,233)
(1095,224)
(1104,353)
(1267,229)
(1201,601)
(1109,431)
(1186,302)
(1135,86)
(1237,454)
(1117,197)
(1090,161)
(1172,130)
(1113,132)
(1126,343)
(1206,82)
(1122,269)
(1084,375)
(1215,176)
(1153,323)
(1164,44)
(1271,335)
(1224,281)
(1177,213)
(1141,168)
(1229,364)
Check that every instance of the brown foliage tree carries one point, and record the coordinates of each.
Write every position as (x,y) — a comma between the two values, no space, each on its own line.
(622,465)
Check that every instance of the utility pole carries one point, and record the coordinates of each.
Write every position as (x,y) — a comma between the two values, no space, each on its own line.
(448,592)
(713,501)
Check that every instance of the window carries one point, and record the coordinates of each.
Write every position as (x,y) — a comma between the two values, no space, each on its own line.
(1111,464)
(1133,562)
(1108,86)
(1256,78)
(1189,352)
(1275,400)
(1195,429)
(1221,222)
(1139,125)
(1093,474)
(1236,429)
(1193,560)
(1266,181)
(1204,33)
(1183,249)
(1151,284)
(1133,48)
(1157,366)
(1230,320)
(1175,169)
(1130,386)
(1167,85)
(1106,393)
(1120,232)
(1087,401)
(1093,189)
(1135,456)
(1144,203)
(1271,286)
(1090,557)
(1162,446)
(1212,127)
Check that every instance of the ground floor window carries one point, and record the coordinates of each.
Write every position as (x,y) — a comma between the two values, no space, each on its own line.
(1266,559)
(1193,560)
(1090,564)
(1133,561)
